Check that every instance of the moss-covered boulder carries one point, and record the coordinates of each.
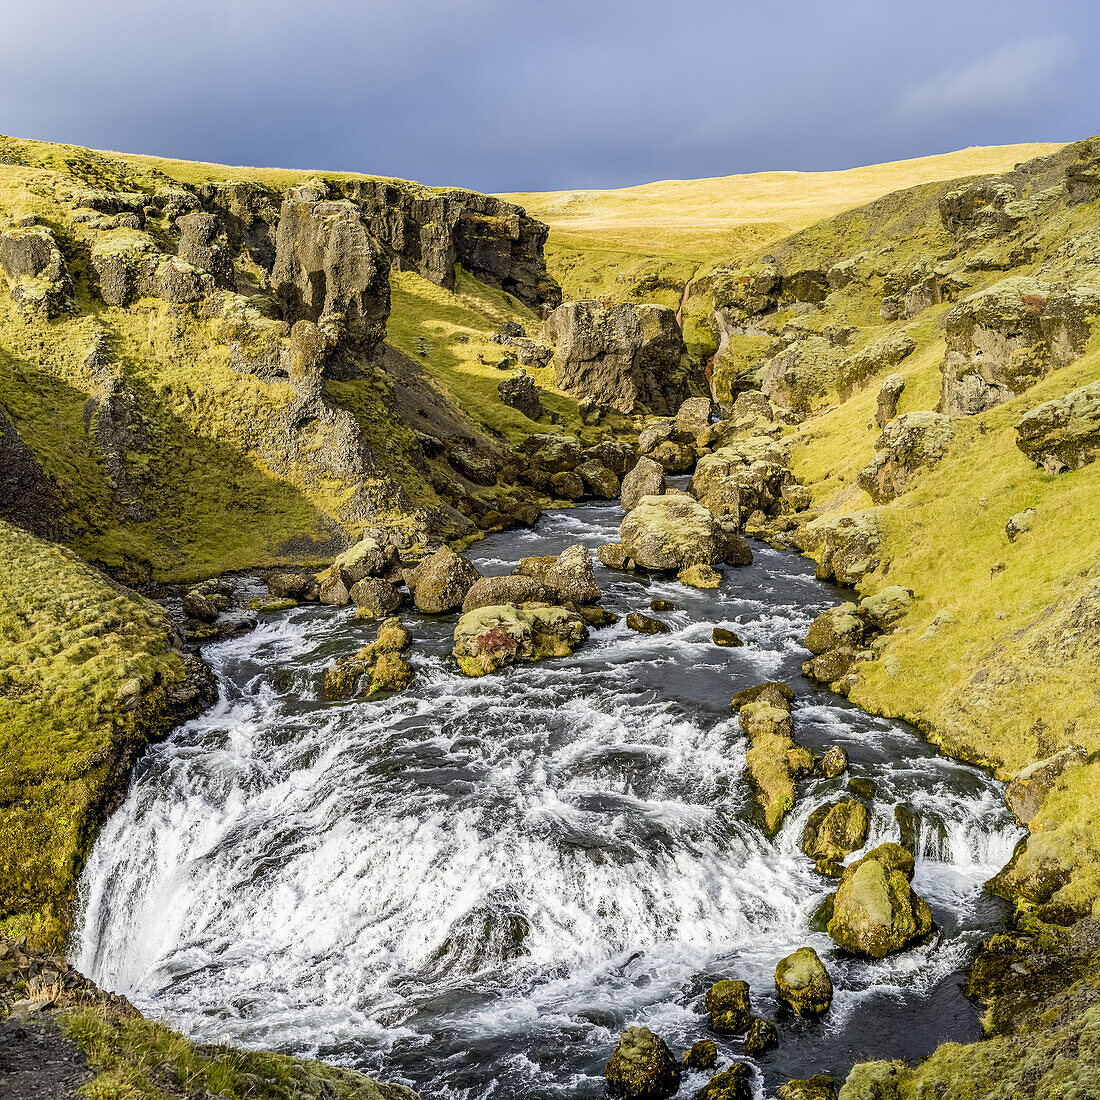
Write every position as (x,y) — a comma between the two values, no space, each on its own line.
(734,1083)
(614,556)
(846,547)
(699,576)
(803,984)
(819,1087)
(501,590)
(834,762)
(489,638)
(1063,434)
(727,1004)
(374,598)
(723,637)
(642,1067)
(377,667)
(835,829)
(836,627)
(671,533)
(646,624)
(599,481)
(702,1055)
(35,269)
(440,582)
(646,479)
(876,912)
(762,1037)
(909,443)
(882,354)
(1030,786)
(569,578)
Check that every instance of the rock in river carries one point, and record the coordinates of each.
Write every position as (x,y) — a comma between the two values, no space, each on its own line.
(491,637)
(671,533)
(803,983)
(642,1067)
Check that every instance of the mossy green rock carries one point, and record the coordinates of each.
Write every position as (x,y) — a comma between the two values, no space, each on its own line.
(723,637)
(734,1083)
(700,576)
(702,1055)
(489,638)
(839,626)
(803,983)
(835,829)
(875,911)
(671,533)
(819,1087)
(1063,434)
(646,624)
(642,1067)
(761,1038)
(440,582)
(727,1003)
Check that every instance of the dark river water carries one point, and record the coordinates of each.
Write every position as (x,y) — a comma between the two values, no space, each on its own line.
(472,887)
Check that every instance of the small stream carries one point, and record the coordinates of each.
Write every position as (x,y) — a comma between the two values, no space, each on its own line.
(472,887)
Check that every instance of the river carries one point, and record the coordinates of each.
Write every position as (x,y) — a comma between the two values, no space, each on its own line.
(473,886)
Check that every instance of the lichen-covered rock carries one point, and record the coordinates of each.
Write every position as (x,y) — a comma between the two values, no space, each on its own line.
(618,354)
(568,579)
(202,245)
(699,576)
(377,667)
(599,480)
(835,829)
(762,1037)
(692,419)
(1003,339)
(888,396)
(1019,524)
(35,269)
(614,556)
(501,590)
(836,627)
(675,458)
(520,393)
(440,582)
(748,292)
(125,263)
(327,265)
(727,1004)
(1063,434)
(647,479)
(658,430)
(910,443)
(646,624)
(876,912)
(671,533)
(883,609)
(741,477)
(489,638)
(734,1083)
(374,598)
(803,983)
(552,454)
(847,547)
(1030,786)
(642,1067)
(774,761)
(858,369)
(802,373)
(293,586)
(702,1055)
(834,762)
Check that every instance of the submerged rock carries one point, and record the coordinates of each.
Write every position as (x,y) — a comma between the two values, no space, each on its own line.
(876,912)
(721,636)
(489,638)
(642,1067)
(803,983)
(734,1083)
(699,576)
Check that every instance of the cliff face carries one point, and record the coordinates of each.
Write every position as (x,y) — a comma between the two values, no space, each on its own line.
(222,340)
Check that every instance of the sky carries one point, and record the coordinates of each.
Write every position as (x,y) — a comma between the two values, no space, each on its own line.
(525,95)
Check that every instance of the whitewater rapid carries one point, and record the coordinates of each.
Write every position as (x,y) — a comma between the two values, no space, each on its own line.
(473,886)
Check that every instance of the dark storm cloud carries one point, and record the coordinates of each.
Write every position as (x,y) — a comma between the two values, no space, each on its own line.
(546,94)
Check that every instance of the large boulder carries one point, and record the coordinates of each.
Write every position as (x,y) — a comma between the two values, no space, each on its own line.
(886,408)
(327,265)
(500,590)
(1005,338)
(803,983)
(568,579)
(802,373)
(876,912)
(642,1067)
(910,443)
(440,582)
(600,482)
(847,547)
(35,269)
(647,479)
(1063,434)
(672,532)
(519,392)
(727,1005)
(743,476)
(489,638)
(835,829)
(619,355)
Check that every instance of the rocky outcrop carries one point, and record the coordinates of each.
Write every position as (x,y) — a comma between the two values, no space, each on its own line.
(802,372)
(672,532)
(774,761)
(803,984)
(888,396)
(28,498)
(203,245)
(1029,788)
(910,443)
(328,268)
(642,1067)
(491,637)
(846,547)
(35,269)
(520,393)
(857,370)
(1063,434)
(876,912)
(129,264)
(618,355)
(1003,339)
(747,475)
(368,558)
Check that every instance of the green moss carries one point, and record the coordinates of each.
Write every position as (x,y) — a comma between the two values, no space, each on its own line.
(84,665)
